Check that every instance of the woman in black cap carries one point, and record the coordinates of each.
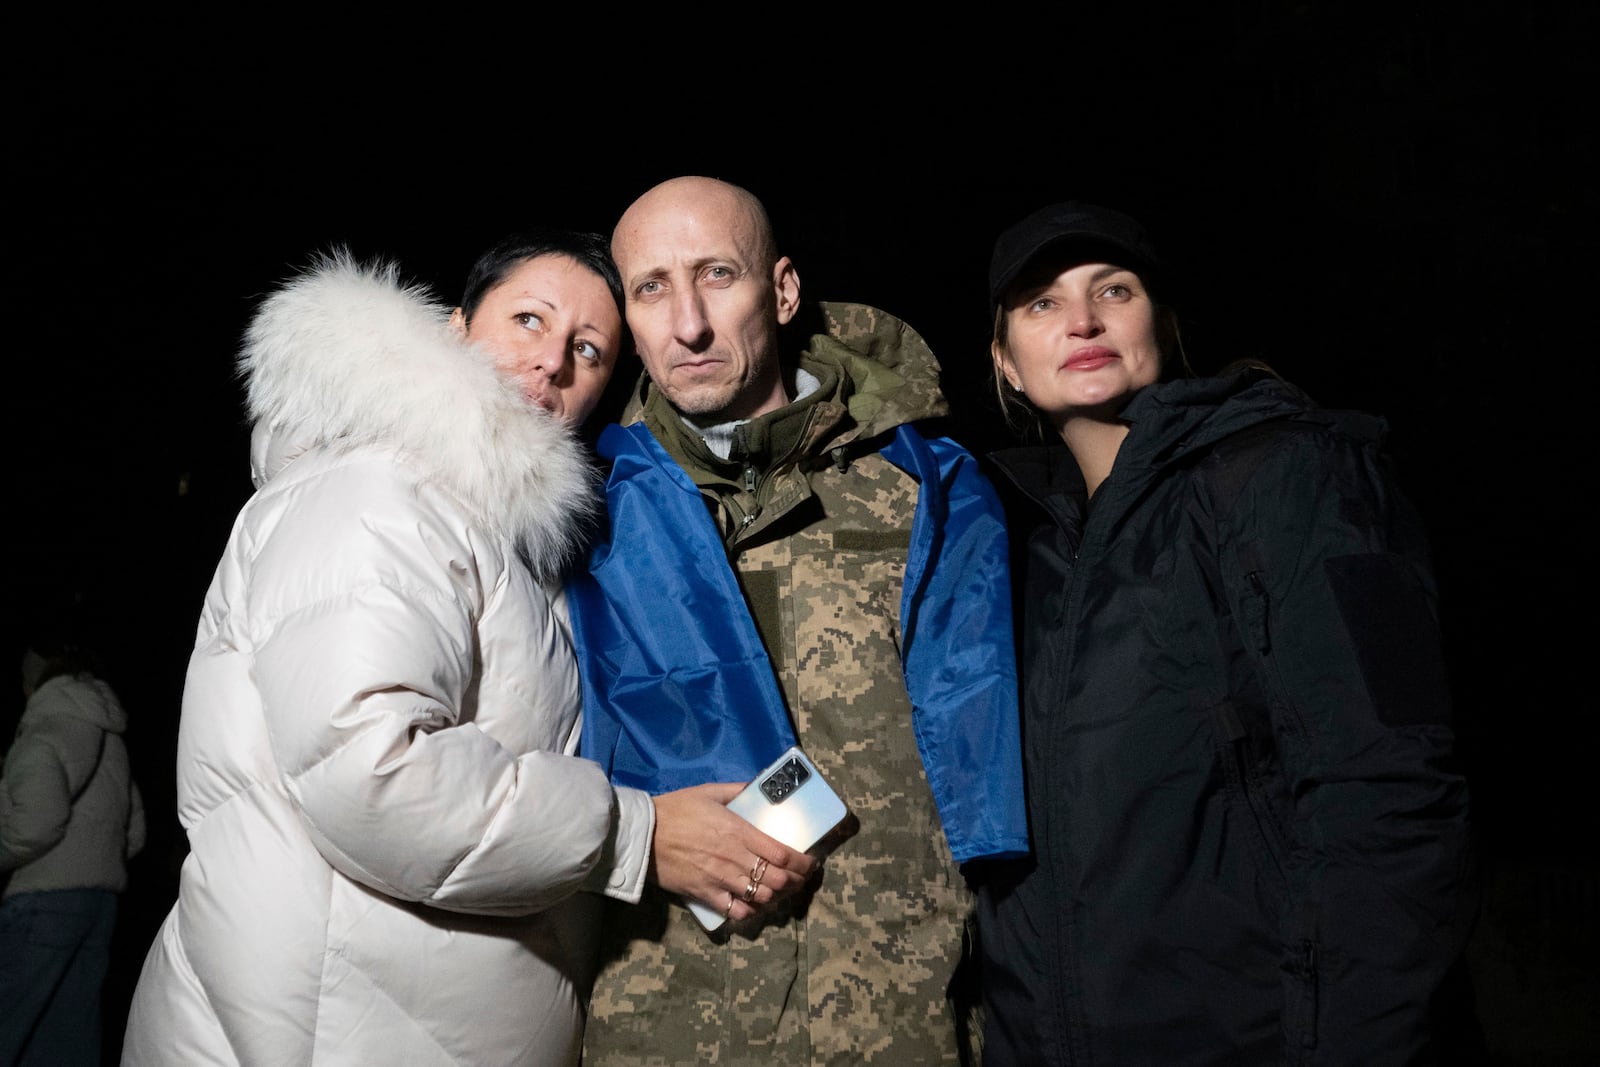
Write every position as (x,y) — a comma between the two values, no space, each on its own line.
(1250,837)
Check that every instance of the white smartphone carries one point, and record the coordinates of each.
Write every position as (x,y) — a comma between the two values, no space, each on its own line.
(789,801)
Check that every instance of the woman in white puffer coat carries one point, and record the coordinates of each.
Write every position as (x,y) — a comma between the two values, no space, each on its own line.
(389,834)
(71,816)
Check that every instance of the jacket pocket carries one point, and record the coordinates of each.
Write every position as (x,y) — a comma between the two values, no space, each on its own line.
(1247,789)
(1255,619)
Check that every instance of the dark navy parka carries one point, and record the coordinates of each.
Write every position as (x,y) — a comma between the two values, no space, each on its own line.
(1250,834)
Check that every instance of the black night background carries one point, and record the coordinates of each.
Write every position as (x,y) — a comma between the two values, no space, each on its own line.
(1392,204)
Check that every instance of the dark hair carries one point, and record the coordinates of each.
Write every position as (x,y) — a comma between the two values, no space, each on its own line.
(59,633)
(587,249)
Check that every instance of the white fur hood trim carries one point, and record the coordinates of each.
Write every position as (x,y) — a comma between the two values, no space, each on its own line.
(345,356)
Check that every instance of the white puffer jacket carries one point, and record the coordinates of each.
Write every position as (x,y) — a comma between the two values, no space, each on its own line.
(388,834)
(70,812)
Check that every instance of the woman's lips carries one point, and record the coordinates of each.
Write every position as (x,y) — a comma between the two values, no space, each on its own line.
(1092,358)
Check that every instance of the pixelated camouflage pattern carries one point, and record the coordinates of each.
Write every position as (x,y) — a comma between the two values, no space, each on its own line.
(873,965)
(887,344)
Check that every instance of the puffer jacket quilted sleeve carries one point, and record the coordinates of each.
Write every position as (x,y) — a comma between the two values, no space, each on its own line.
(359,606)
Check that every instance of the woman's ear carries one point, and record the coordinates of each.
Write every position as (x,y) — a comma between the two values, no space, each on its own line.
(458,322)
(1002,364)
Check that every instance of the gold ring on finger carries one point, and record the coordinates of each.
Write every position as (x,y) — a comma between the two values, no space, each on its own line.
(749,892)
(759,871)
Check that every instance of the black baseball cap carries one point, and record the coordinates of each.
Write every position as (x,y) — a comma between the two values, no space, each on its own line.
(1100,230)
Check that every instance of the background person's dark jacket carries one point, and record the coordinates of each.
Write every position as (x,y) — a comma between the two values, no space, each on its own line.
(1251,838)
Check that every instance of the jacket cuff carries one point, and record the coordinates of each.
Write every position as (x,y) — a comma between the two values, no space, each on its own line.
(621,872)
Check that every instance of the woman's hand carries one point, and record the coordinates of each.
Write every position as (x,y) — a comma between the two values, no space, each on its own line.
(704,851)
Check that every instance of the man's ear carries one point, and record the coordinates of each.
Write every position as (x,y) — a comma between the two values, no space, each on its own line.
(458,322)
(786,286)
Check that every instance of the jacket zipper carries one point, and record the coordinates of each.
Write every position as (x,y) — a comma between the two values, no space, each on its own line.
(751,480)
(1255,623)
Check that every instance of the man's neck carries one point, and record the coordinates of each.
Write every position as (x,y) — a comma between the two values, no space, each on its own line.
(719,435)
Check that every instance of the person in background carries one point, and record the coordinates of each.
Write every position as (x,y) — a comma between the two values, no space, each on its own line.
(794,553)
(1251,836)
(71,816)
(394,851)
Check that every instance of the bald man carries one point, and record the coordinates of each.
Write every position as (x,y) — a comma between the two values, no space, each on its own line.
(794,555)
